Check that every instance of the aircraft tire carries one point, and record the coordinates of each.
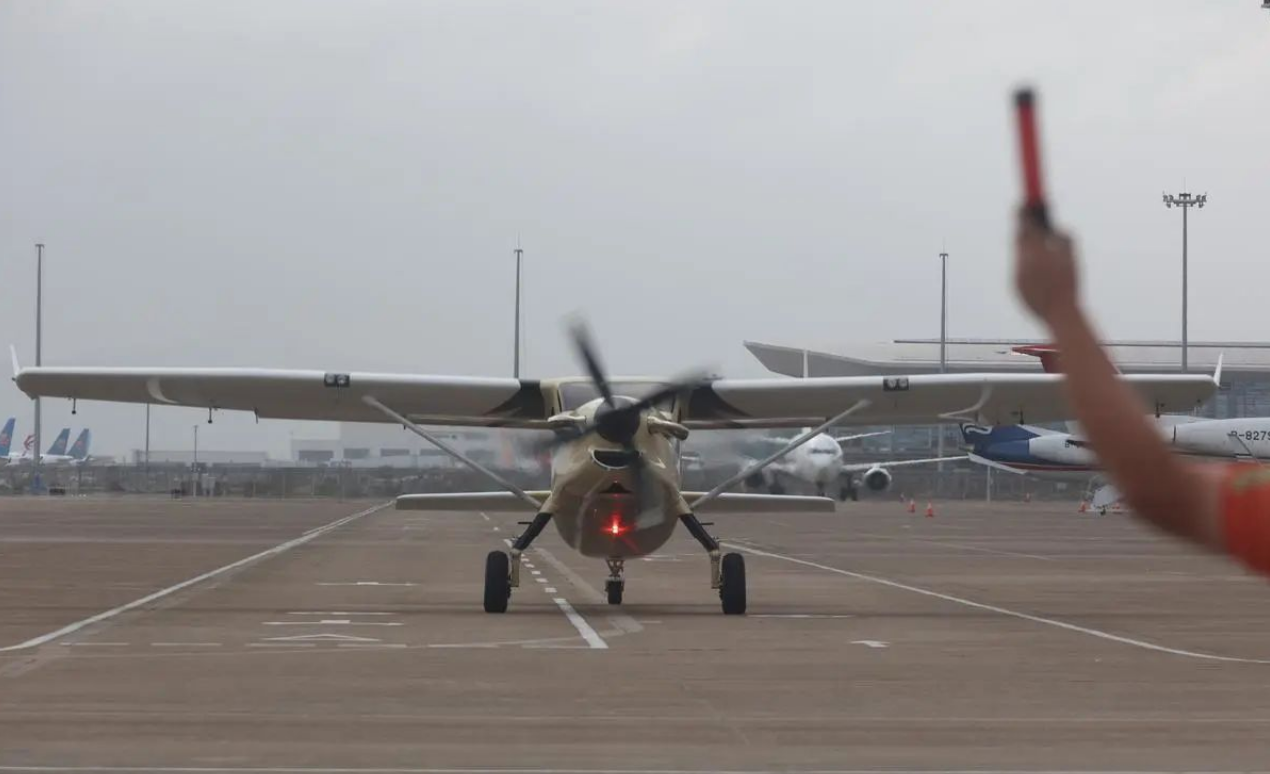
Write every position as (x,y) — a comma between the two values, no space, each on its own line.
(498,588)
(614,591)
(732,593)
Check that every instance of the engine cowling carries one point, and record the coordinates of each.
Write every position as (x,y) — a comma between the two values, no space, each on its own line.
(877,479)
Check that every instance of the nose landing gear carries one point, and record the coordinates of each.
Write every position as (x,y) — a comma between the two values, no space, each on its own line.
(616,584)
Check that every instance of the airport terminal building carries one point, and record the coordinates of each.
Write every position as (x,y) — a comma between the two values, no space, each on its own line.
(1245,389)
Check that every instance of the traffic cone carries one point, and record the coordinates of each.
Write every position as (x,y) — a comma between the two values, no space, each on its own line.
(1084,506)
(912,505)
(930,510)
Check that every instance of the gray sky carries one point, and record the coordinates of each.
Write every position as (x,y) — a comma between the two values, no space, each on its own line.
(338,185)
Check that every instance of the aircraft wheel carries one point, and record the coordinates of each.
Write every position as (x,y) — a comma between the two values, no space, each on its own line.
(733,590)
(498,587)
(614,590)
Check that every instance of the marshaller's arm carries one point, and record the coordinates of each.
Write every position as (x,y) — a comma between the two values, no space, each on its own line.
(1177,496)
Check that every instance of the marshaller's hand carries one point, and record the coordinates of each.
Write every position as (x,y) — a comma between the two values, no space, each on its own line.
(1044,269)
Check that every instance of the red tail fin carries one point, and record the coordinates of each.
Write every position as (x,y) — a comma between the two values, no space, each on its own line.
(1047,353)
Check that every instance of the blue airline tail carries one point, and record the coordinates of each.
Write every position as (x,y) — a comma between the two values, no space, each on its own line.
(978,437)
(59,443)
(6,437)
(79,449)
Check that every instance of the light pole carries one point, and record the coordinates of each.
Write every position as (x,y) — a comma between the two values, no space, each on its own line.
(516,328)
(943,312)
(1186,202)
(39,347)
(943,344)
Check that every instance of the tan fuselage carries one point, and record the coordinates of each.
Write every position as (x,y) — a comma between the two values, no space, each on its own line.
(600,522)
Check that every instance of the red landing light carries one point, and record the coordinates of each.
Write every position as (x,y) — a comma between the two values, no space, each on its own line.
(615,527)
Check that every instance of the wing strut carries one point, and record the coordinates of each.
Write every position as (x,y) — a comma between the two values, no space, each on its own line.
(769,459)
(371,401)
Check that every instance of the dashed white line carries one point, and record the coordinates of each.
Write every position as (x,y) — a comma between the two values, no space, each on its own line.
(549,589)
(278,549)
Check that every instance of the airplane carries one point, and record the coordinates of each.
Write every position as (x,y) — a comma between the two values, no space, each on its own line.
(615,490)
(6,437)
(55,454)
(1033,450)
(78,453)
(819,463)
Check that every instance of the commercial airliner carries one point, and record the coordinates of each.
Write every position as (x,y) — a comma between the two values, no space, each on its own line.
(819,464)
(1034,450)
(55,454)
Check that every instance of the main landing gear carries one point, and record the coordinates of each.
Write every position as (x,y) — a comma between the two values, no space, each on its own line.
(727,571)
(502,569)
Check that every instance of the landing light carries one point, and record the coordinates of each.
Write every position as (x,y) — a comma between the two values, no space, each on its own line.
(615,527)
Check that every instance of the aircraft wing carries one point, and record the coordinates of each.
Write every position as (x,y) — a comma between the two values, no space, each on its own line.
(504,402)
(731,502)
(494,502)
(845,439)
(899,463)
(987,463)
(285,394)
(989,399)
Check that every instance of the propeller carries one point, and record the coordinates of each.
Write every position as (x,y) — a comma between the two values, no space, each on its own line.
(619,419)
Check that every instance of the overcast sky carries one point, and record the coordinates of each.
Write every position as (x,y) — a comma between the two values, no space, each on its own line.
(339,185)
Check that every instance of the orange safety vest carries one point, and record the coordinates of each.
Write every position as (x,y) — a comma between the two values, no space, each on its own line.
(1245,514)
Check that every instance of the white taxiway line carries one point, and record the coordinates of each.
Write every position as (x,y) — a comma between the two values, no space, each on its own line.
(1004,611)
(136,603)
(591,636)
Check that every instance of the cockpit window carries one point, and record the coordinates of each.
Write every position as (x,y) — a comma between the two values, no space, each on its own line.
(821,450)
(575,394)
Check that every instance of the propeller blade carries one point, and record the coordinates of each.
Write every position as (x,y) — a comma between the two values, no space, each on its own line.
(586,350)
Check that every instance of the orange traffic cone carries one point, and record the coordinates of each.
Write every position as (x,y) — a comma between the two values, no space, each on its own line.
(912,505)
(930,510)
(1084,506)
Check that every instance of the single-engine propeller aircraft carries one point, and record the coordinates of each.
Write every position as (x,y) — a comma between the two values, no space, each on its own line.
(615,488)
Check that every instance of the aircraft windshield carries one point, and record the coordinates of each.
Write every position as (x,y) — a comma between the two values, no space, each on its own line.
(576,394)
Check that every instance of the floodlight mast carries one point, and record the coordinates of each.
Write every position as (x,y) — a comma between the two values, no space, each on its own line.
(1186,201)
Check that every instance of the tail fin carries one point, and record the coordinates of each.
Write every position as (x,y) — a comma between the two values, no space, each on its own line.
(6,437)
(59,443)
(79,449)
(979,437)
